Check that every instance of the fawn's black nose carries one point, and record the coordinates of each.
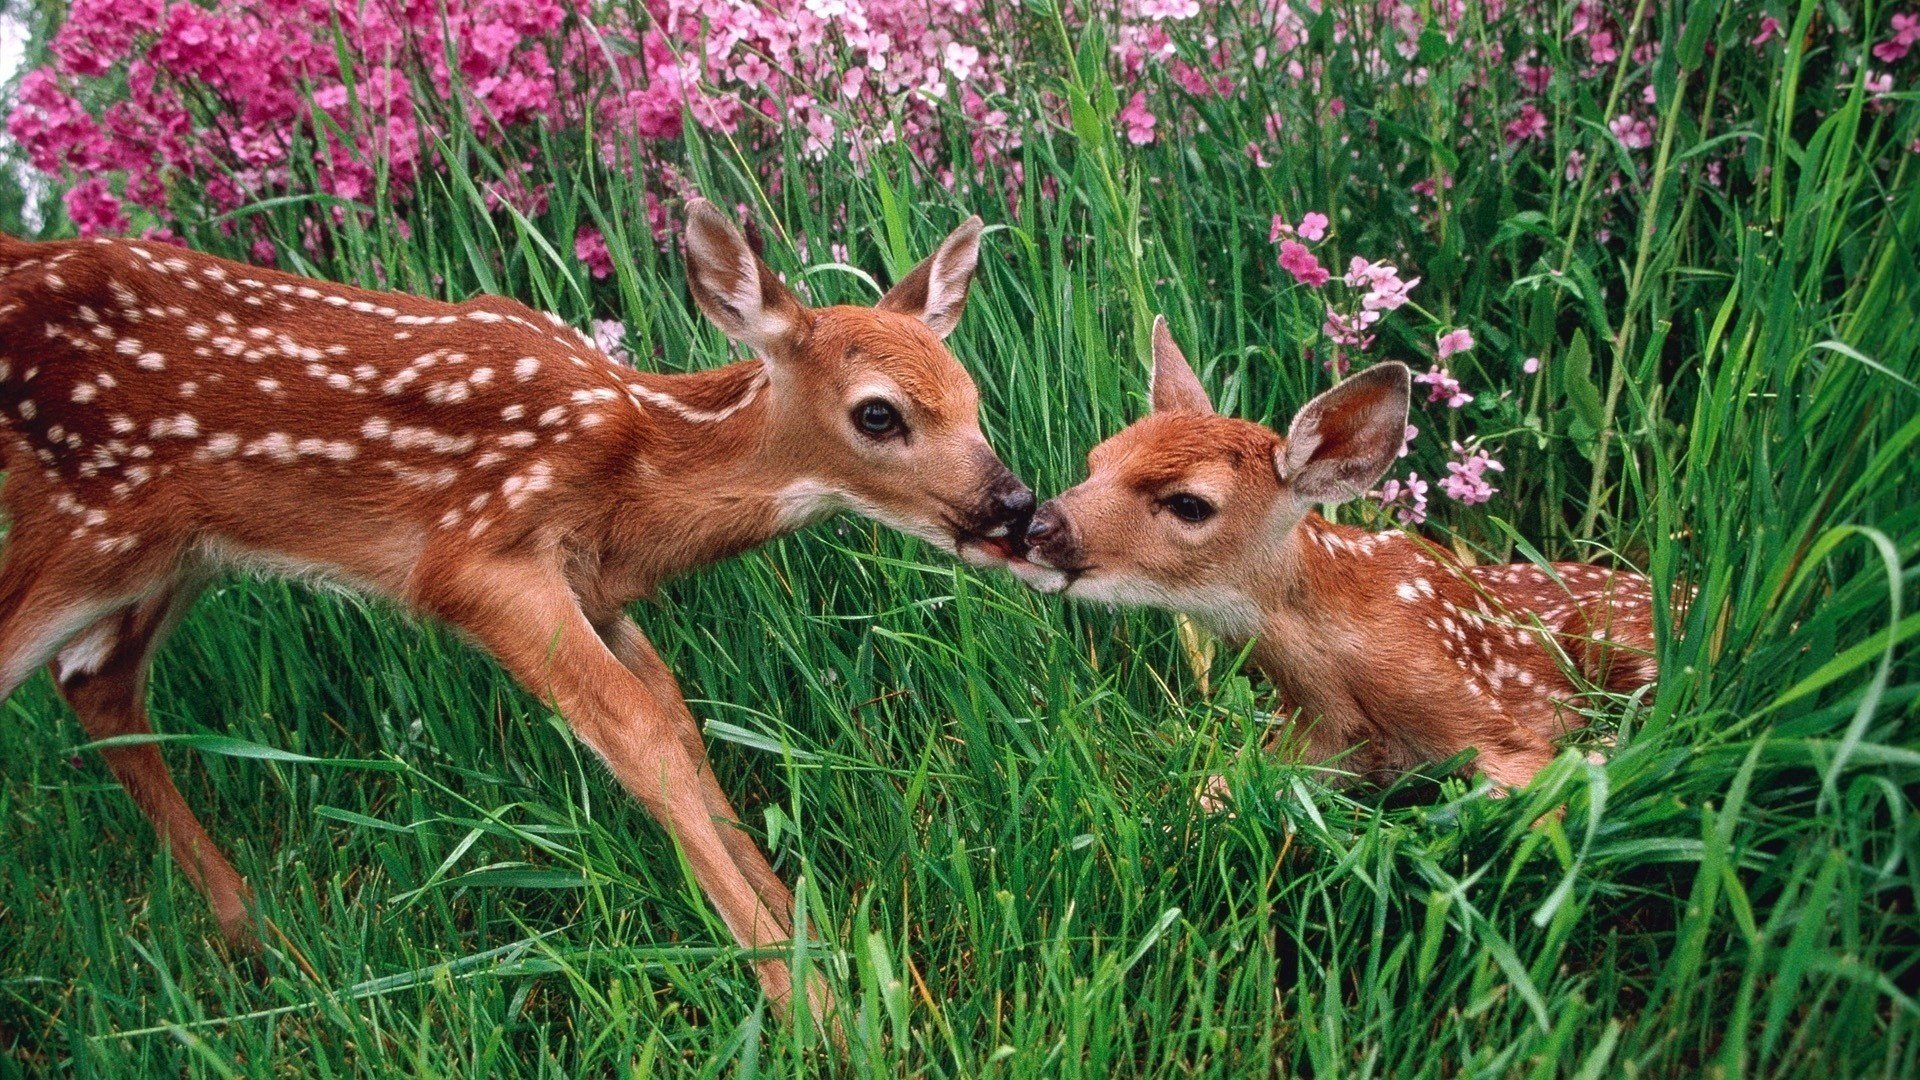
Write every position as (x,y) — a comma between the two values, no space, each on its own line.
(1044,525)
(1015,507)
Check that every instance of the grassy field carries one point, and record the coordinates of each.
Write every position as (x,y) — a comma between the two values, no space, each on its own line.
(986,795)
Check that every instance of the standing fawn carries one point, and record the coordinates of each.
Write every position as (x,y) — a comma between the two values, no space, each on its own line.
(169,416)
(1380,640)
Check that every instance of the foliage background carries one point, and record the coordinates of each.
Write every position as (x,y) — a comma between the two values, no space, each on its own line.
(986,793)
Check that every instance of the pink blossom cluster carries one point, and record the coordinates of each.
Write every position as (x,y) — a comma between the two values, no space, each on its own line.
(1906,34)
(211,102)
(1407,499)
(210,96)
(1466,479)
(1373,287)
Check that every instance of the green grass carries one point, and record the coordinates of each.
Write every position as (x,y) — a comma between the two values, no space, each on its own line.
(986,793)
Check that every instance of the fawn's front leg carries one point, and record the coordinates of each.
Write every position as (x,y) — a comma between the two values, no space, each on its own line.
(523,612)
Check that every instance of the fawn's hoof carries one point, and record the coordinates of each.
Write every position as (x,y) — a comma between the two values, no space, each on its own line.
(1214,795)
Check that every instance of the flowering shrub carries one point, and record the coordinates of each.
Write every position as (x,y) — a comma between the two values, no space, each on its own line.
(1376,127)
(192,107)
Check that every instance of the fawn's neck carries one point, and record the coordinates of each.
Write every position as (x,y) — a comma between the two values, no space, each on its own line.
(1323,578)
(705,475)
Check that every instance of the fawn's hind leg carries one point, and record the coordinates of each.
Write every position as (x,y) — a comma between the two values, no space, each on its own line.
(102,673)
(50,591)
(630,646)
(1511,756)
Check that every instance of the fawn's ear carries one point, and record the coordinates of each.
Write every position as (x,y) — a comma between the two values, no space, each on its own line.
(1346,438)
(935,292)
(741,294)
(1173,385)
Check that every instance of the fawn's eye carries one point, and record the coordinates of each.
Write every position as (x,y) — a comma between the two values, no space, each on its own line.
(1191,509)
(877,419)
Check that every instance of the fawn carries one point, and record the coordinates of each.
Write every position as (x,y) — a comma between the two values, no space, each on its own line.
(169,416)
(1378,639)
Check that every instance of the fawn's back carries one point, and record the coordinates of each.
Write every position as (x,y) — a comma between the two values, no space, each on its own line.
(154,394)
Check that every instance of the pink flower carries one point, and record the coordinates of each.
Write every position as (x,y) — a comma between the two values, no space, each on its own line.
(961,60)
(1454,341)
(753,70)
(1313,227)
(1445,387)
(1169,9)
(1601,49)
(1466,476)
(1534,77)
(1528,125)
(94,209)
(1769,26)
(1138,119)
(1634,132)
(610,337)
(590,247)
(1407,498)
(1576,165)
(98,33)
(1531,365)
(53,128)
(1878,83)
(1279,229)
(1385,290)
(1349,330)
(1906,33)
(1406,441)
(1295,259)
(1191,79)
(263,253)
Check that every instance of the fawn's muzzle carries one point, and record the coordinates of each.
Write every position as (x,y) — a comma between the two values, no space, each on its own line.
(997,525)
(1050,539)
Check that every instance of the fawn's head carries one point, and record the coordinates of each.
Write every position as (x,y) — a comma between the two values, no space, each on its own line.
(867,406)
(1183,508)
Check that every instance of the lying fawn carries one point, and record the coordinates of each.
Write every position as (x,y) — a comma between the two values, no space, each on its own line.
(169,416)
(1379,640)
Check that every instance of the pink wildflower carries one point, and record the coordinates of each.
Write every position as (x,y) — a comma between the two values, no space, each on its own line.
(1530,124)
(1313,227)
(1138,119)
(1407,498)
(1769,26)
(1385,290)
(1534,77)
(1531,365)
(94,209)
(1634,132)
(1601,49)
(610,337)
(1466,476)
(98,33)
(1444,387)
(1295,259)
(1906,34)
(590,247)
(1454,341)
(1349,330)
